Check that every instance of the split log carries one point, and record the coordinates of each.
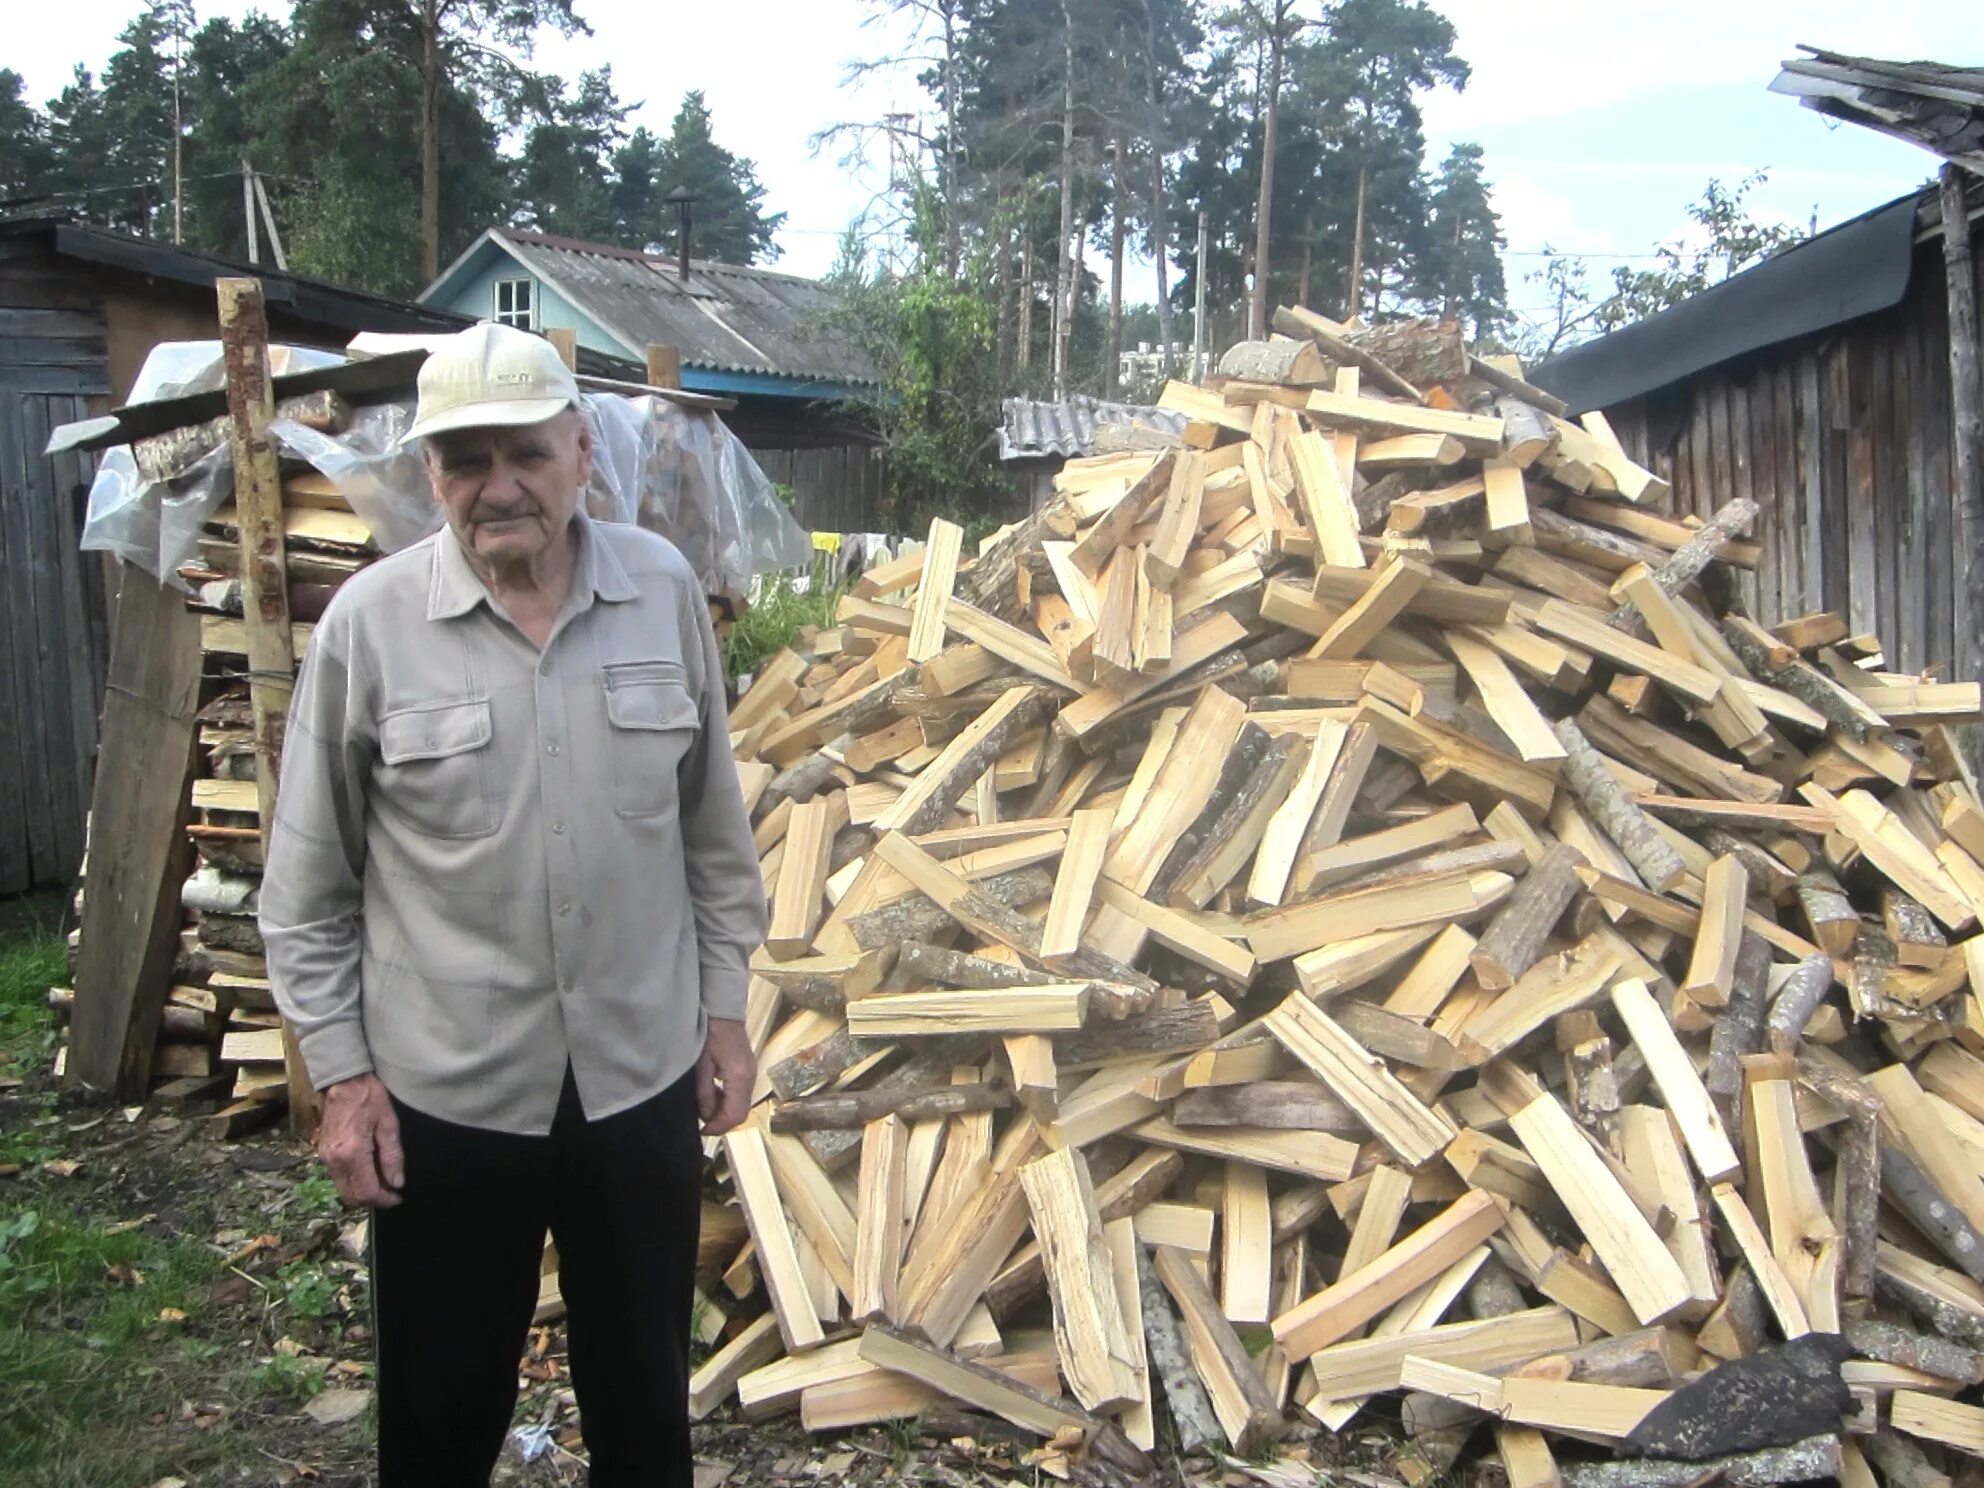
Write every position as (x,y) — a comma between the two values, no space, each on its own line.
(1893,1344)
(1815,1459)
(1688,560)
(852,1111)
(1766,659)
(1631,830)
(800,782)
(1270,1105)
(1739,1027)
(1291,363)
(1902,1462)
(1946,1318)
(1298,321)
(1515,937)
(1797,999)
(991,583)
(919,917)
(919,960)
(1830,915)
(1930,1208)
(1857,1203)
(1171,1362)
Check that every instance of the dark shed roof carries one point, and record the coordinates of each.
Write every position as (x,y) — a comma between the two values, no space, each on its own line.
(1855,269)
(307,299)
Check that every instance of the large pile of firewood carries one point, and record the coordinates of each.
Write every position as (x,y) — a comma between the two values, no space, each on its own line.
(1349,908)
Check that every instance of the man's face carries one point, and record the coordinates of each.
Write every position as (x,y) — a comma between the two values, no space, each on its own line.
(509,492)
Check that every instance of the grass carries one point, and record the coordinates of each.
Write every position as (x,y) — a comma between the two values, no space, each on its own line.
(32,959)
(102,1340)
(775,617)
(95,1353)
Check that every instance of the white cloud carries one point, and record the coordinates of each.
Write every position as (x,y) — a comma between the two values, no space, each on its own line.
(1550,58)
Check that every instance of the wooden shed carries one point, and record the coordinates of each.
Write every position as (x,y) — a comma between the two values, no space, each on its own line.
(79,310)
(1818,385)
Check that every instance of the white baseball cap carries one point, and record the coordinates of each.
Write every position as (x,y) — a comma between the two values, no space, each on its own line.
(491,374)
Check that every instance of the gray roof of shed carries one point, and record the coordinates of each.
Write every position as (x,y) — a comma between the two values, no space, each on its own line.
(726,318)
(1033,429)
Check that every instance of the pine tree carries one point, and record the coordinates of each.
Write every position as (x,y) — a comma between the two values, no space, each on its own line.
(562,180)
(1462,274)
(728,221)
(25,156)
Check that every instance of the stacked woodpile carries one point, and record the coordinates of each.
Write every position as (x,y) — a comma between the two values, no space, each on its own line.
(1348,917)
(220,1036)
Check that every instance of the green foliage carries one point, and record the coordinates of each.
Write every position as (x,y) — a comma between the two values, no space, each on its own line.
(1729,240)
(33,958)
(288,1379)
(309,1290)
(775,616)
(728,221)
(931,333)
(1463,270)
(84,1355)
(318,1195)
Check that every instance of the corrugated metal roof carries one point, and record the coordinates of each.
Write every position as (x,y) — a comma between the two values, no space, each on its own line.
(726,318)
(1033,429)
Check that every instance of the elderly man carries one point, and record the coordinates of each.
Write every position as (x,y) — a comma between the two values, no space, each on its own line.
(510,897)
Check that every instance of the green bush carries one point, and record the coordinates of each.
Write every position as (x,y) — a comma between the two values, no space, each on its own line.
(775,616)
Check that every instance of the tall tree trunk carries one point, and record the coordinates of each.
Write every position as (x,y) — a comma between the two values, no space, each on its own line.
(1160,226)
(1452,310)
(1074,288)
(1002,290)
(1064,267)
(430,141)
(1308,258)
(1967,389)
(1353,299)
(1257,303)
(951,243)
(1025,347)
(1113,353)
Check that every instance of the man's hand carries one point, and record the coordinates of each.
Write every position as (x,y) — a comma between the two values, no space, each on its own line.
(360,1142)
(724,1076)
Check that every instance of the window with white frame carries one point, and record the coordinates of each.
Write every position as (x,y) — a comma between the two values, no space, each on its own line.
(516,304)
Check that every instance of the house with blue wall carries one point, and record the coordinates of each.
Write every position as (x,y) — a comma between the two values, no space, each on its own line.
(764,338)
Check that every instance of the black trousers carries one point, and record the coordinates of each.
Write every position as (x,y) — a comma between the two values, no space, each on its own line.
(455,1280)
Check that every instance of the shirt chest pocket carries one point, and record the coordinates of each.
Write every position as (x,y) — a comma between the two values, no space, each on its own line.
(651,723)
(435,767)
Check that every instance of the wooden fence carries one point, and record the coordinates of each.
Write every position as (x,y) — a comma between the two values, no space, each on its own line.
(52,347)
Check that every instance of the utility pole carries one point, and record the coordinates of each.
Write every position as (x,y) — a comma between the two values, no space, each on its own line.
(1199,307)
(269,217)
(248,209)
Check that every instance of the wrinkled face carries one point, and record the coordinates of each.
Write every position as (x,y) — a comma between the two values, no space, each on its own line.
(509,492)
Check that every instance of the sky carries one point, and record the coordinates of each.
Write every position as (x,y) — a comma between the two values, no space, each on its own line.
(1600,121)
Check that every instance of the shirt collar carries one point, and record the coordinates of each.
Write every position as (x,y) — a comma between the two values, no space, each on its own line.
(456,589)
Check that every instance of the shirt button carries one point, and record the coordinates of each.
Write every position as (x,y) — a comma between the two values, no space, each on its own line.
(558,828)
(551,748)
(565,908)
(544,667)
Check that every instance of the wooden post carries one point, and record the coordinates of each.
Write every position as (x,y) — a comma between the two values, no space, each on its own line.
(1967,395)
(244,336)
(139,852)
(566,340)
(664,366)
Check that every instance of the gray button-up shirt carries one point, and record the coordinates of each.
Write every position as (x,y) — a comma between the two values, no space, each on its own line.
(488,861)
